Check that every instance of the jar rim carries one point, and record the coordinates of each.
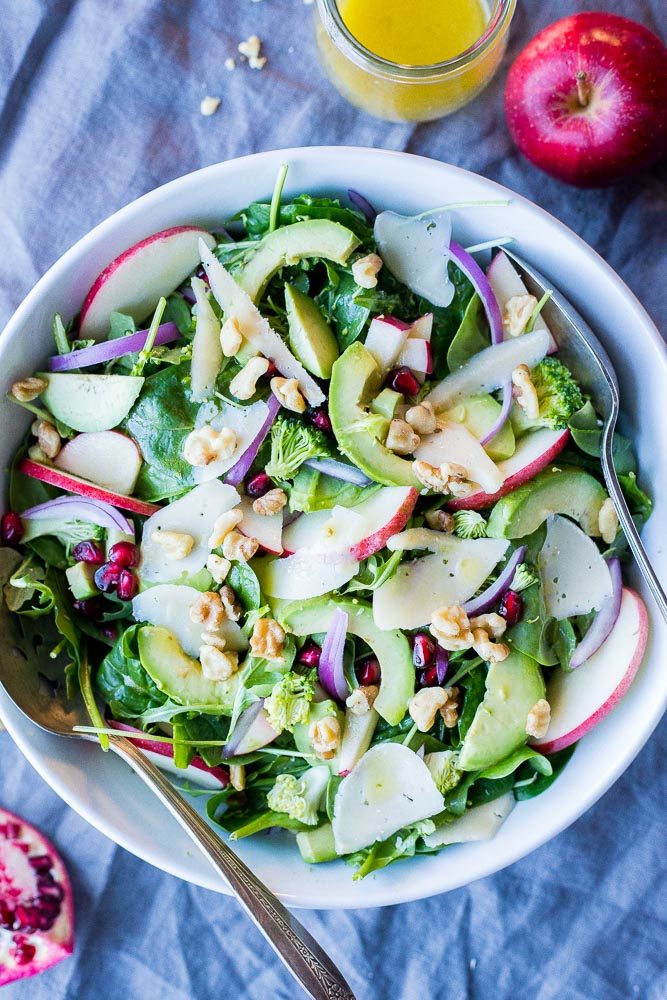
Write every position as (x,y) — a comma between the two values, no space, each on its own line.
(343,38)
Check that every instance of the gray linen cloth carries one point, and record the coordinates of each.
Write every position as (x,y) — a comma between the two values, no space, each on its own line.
(99,103)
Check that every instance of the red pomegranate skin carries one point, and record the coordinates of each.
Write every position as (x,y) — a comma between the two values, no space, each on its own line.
(623,127)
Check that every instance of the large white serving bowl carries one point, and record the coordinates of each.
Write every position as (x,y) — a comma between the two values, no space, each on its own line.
(99,786)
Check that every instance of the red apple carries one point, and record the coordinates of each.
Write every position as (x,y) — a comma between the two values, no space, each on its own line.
(72,484)
(586,100)
(533,453)
(386,513)
(385,339)
(162,755)
(135,280)
(105,458)
(581,698)
(416,354)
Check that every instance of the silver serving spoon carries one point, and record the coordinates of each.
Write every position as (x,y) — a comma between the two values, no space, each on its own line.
(583,353)
(29,678)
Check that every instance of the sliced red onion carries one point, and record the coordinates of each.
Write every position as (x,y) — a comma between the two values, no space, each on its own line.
(441,663)
(252,732)
(242,467)
(81,509)
(362,204)
(421,751)
(478,605)
(604,620)
(481,284)
(338,470)
(189,296)
(110,349)
(330,671)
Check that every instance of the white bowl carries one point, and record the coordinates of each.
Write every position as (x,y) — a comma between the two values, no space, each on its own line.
(99,786)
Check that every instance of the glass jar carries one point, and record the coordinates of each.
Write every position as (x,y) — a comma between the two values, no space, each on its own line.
(399,92)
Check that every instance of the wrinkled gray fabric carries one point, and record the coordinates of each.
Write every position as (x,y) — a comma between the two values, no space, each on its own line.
(99,103)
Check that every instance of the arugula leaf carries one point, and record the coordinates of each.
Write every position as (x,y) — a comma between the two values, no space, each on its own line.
(403,844)
(374,571)
(179,312)
(206,727)
(640,503)
(123,682)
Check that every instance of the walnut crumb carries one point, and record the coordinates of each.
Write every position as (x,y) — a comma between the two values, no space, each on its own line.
(209,106)
(538,719)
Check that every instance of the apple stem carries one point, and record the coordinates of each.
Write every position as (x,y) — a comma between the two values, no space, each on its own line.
(583,88)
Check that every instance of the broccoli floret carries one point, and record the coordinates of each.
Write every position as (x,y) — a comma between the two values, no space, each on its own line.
(288,705)
(523,578)
(444,769)
(300,797)
(558,396)
(292,442)
(469,524)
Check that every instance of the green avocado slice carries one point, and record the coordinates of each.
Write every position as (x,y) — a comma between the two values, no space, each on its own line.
(557,490)
(181,677)
(311,338)
(290,244)
(391,648)
(499,726)
(355,381)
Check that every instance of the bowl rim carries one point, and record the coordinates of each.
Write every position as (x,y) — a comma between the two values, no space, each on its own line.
(310,157)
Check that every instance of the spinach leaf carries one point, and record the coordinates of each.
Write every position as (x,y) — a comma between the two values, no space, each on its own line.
(518,757)
(339,301)
(587,435)
(179,312)
(639,503)
(403,844)
(485,790)
(532,635)
(243,581)
(159,422)
(124,683)
(206,727)
(528,784)
(257,215)
(471,337)
(475,687)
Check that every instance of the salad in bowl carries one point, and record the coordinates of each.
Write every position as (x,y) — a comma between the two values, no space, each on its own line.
(317,512)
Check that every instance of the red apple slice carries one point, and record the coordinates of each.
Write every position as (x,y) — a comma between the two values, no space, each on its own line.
(581,698)
(422,328)
(533,453)
(162,755)
(453,442)
(385,513)
(105,458)
(134,282)
(416,354)
(385,340)
(73,484)
(267,529)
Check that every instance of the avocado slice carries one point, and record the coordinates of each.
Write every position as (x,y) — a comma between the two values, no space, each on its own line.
(391,648)
(386,402)
(317,845)
(478,414)
(290,244)
(81,580)
(499,726)
(311,338)
(557,490)
(355,381)
(181,677)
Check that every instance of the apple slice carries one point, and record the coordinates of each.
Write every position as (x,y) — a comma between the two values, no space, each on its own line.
(90,402)
(134,282)
(490,369)
(73,484)
(506,283)
(206,348)
(422,328)
(416,355)
(106,458)
(385,513)
(168,604)
(532,454)
(162,755)
(453,442)
(581,698)
(385,339)
(267,529)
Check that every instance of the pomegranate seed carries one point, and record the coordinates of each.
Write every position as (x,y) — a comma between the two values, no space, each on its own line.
(127,585)
(429,677)
(125,554)
(90,607)
(23,952)
(368,672)
(21,918)
(107,577)
(423,650)
(41,862)
(6,916)
(402,380)
(11,528)
(109,631)
(258,485)
(511,607)
(11,830)
(271,370)
(88,552)
(320,418)
(310,655)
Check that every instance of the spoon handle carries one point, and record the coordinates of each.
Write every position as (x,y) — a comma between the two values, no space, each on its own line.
(300,952)
(628,525)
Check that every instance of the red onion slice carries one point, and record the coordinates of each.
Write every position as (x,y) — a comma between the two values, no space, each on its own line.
(252,732)
(478,605)
(331,674)
(110,349)
(441,663)
(604,620)
(81,509)
(338,470)
(363,204)
(481,284)
(242,467)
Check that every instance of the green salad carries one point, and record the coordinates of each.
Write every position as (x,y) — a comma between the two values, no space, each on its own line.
(317,513)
